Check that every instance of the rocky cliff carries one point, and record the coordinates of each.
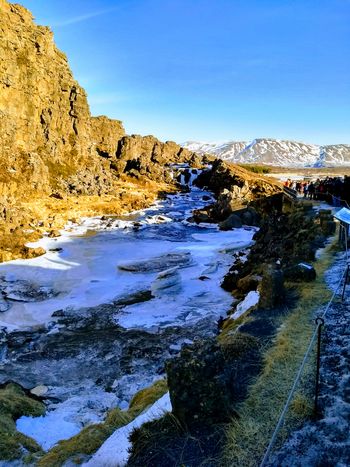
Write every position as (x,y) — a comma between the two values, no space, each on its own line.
(50,143)
(235,189)
(49,139)
(47,131)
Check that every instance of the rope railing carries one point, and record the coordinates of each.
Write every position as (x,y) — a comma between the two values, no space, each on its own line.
(316,333)
(339,201)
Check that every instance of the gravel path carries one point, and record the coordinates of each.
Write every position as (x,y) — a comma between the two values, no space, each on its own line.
(326,442)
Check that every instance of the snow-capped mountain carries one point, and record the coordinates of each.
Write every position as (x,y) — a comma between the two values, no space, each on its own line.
(275,152)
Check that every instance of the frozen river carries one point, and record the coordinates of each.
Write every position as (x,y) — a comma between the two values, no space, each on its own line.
(94,319)
(99,261)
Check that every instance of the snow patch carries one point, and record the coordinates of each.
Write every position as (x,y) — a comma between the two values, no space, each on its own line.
(47,430)
(65,419)
(251,299)
(114,452)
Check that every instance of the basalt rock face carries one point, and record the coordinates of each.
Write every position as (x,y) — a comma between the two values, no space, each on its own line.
(141,156)
(199,385)
(235,188)
(49,139)
(105,134)
(283,240)
(48,135)
(229,176)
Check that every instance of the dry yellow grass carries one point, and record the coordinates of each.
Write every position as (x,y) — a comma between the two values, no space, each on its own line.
(249,435)
(29,218)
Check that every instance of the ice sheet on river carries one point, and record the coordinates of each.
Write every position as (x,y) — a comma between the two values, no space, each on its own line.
(85,273)
(158,263)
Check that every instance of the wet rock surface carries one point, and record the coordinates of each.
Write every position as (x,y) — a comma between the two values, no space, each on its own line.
(233,221)
(23,291)
(158,264)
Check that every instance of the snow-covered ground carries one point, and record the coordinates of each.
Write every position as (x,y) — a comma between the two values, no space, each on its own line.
(326,442)
(251,299)
(283,153)
(114,452)
(112,343)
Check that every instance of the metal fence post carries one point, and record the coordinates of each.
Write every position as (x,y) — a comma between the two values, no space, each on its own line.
(345,282)
(319,323)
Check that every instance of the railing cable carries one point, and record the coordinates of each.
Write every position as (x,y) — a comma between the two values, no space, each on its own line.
(298,376)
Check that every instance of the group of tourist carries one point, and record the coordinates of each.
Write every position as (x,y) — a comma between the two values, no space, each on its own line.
(331,189)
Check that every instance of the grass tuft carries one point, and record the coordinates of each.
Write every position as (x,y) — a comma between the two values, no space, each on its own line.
(148,396)
(13,404)
(237,345)
(89,440)
(231,327)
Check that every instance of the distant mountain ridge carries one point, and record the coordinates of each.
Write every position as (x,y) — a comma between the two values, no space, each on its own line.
(275,152)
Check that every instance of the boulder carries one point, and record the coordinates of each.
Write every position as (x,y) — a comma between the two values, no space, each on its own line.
(39,391)
(54,234)
(29,253)
(232,222)
(301,272)
(228,202)
(56,195)
(250,217)
(272,291)
(325,213)
(247,218)
(201,215)
(158,263)
(248,283)
(198,386)
(328,227)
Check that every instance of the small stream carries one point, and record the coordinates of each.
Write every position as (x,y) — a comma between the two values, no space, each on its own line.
(94,319)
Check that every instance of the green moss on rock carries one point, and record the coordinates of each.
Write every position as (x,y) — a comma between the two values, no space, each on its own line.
(13,404)
(148,396)
(238,345)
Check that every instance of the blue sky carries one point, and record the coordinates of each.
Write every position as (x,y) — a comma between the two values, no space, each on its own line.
(211,69)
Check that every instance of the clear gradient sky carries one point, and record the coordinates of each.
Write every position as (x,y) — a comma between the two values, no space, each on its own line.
(211,69)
